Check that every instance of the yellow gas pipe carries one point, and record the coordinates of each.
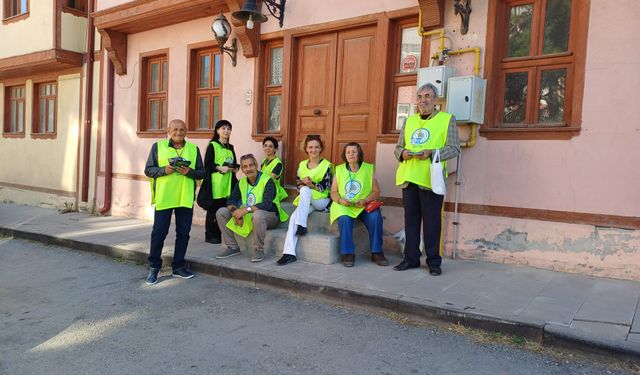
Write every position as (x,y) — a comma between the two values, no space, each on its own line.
(476,68)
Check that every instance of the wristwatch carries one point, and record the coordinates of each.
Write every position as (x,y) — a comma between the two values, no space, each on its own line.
(249,209)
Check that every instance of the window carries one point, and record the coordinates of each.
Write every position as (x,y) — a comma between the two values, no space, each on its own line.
(80,5)
(536,64)
(409,53)
(153,106)
(268,115)
(14,8)
(272,106)
(14,110)
(44,108)
(205,89)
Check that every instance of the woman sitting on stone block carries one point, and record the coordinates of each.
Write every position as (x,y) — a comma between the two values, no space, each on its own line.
(353,187)
(314,182)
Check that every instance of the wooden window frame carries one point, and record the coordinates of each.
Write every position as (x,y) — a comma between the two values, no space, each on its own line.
(76,9)
(35,119)
(395,79)
(264,90)
(7,12)
(146,60)
(6,131)
(497,66)
(194,92)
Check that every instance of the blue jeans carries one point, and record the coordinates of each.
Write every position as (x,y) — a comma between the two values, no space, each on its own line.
(373,222)
(161,223)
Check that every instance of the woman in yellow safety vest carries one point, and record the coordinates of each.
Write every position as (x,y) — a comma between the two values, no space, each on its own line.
(314,182)
(272,165)
(220,163)
(354,185)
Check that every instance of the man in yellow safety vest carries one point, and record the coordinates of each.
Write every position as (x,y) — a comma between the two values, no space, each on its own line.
(423,133)
(173,166)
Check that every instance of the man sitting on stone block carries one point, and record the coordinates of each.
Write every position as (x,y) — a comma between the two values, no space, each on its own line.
(252,206)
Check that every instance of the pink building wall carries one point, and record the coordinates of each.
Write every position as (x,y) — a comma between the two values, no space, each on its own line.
(594,172)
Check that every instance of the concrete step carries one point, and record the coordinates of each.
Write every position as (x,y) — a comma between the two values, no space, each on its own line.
(317,247)
(318,222)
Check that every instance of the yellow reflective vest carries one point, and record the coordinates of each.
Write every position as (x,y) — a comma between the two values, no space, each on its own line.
(268,169)
(221,183)
(316,174)
(252,195)
(419,135)
(174,190)
(352,187)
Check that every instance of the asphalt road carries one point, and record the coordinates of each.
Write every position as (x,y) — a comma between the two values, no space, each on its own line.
(66,312)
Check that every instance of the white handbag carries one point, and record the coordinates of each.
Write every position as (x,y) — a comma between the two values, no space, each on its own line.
(438,183)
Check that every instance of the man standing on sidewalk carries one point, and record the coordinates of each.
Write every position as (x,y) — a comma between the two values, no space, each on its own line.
(173,186)
(252,206)
(422,134)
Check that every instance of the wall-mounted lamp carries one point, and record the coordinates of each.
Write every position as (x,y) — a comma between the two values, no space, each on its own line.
(221,30)
(251,14)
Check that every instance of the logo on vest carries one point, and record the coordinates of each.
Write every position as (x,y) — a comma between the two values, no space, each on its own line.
(251,200)
(228,160)
(420,136)
(352,188)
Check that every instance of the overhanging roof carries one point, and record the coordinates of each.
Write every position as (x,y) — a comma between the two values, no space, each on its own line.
(114,24)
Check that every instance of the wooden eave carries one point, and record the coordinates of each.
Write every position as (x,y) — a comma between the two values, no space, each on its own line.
(115,23)
(39,62)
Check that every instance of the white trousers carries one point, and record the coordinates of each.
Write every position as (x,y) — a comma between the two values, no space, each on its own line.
(299,217)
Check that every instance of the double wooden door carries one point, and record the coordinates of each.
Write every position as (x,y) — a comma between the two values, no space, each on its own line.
(334,76)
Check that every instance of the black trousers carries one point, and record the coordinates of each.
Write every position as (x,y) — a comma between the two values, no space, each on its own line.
(161,223)
(212,230)
(426,207)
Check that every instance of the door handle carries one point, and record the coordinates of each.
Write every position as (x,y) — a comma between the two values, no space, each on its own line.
(317,112)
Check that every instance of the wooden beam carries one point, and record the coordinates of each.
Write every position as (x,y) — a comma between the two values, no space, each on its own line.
(142,15)
(115,43)
(249,38)
(39,62)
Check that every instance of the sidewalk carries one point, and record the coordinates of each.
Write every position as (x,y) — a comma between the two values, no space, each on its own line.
(544,306)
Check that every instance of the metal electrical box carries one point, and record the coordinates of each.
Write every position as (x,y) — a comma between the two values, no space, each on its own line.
(465,98)
(436,75)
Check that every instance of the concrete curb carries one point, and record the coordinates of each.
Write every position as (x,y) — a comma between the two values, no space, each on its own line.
(342,294)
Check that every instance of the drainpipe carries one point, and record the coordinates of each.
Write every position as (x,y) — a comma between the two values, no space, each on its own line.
(88,103)
(108,145)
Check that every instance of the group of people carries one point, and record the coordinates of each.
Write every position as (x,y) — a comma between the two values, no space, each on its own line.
(348,191)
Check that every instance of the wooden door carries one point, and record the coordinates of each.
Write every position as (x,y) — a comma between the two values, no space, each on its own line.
(333,80)
(313,100)
(354,116)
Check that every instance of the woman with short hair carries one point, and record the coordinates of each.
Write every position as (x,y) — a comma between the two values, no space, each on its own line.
(353,187)
(314,183)
(272,165)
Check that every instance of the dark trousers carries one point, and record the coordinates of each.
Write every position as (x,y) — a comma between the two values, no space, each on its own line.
(211,228)
(161,223)
(422,206)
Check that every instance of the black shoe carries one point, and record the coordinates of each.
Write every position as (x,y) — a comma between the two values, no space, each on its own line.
(286,259)
(301,231)
(435,271)
(404,265)
(182,273)
(152,277)
(348,260)
(213,240)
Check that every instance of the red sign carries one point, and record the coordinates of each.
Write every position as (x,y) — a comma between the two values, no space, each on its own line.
(409,63)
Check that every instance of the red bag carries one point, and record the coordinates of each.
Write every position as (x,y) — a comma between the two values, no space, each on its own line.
(372,206)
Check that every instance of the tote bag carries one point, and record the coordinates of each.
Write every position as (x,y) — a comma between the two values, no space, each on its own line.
(438,183)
